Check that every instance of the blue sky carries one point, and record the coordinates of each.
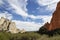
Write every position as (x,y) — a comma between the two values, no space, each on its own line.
(28,14)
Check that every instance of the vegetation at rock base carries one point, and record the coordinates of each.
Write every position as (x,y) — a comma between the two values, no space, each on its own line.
(43,30)
(27,36)
(19,36)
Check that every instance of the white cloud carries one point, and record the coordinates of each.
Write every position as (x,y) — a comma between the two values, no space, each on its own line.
(6,15)
(45,18)
(46,2)
(51,4)
(1,2)
(19,6)
(24,4)
(28,26)
(20,9)
(32,26)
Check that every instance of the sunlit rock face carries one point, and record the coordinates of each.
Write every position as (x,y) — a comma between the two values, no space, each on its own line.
(12,28)
(55,21)
(46,25)
(8,26)
(1,22)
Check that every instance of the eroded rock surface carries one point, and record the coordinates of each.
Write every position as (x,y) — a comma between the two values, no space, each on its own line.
(55,21)
(7,25)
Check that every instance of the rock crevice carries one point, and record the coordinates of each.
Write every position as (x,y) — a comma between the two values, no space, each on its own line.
(8,25)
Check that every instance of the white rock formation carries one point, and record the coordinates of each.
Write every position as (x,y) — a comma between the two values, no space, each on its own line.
(12,28)
(8,25)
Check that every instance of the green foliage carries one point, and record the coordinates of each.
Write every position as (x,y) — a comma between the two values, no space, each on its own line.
(27,36)
(19,36)
(4,36)
(42,30)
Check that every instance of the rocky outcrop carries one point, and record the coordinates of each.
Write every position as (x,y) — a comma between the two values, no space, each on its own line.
(55,21)
(12,28)
(7,25)
(46,25)
(22,31)
(1,22)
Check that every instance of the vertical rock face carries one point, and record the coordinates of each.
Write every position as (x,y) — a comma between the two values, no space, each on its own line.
(1,22)
(7,25)
(12,27)
(46,25)
(55,21)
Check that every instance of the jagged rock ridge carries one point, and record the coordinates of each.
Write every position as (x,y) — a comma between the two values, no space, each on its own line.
(8,25)
(55,21)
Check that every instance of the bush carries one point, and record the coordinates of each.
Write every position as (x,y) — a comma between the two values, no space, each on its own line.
(19,36)
(27,36)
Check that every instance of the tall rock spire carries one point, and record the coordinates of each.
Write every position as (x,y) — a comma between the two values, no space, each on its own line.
(55,21)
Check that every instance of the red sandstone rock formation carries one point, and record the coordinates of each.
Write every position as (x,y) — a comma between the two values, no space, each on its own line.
(55,21)
(46,25)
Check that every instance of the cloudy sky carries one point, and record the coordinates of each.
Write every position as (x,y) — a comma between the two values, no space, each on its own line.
(28,14)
